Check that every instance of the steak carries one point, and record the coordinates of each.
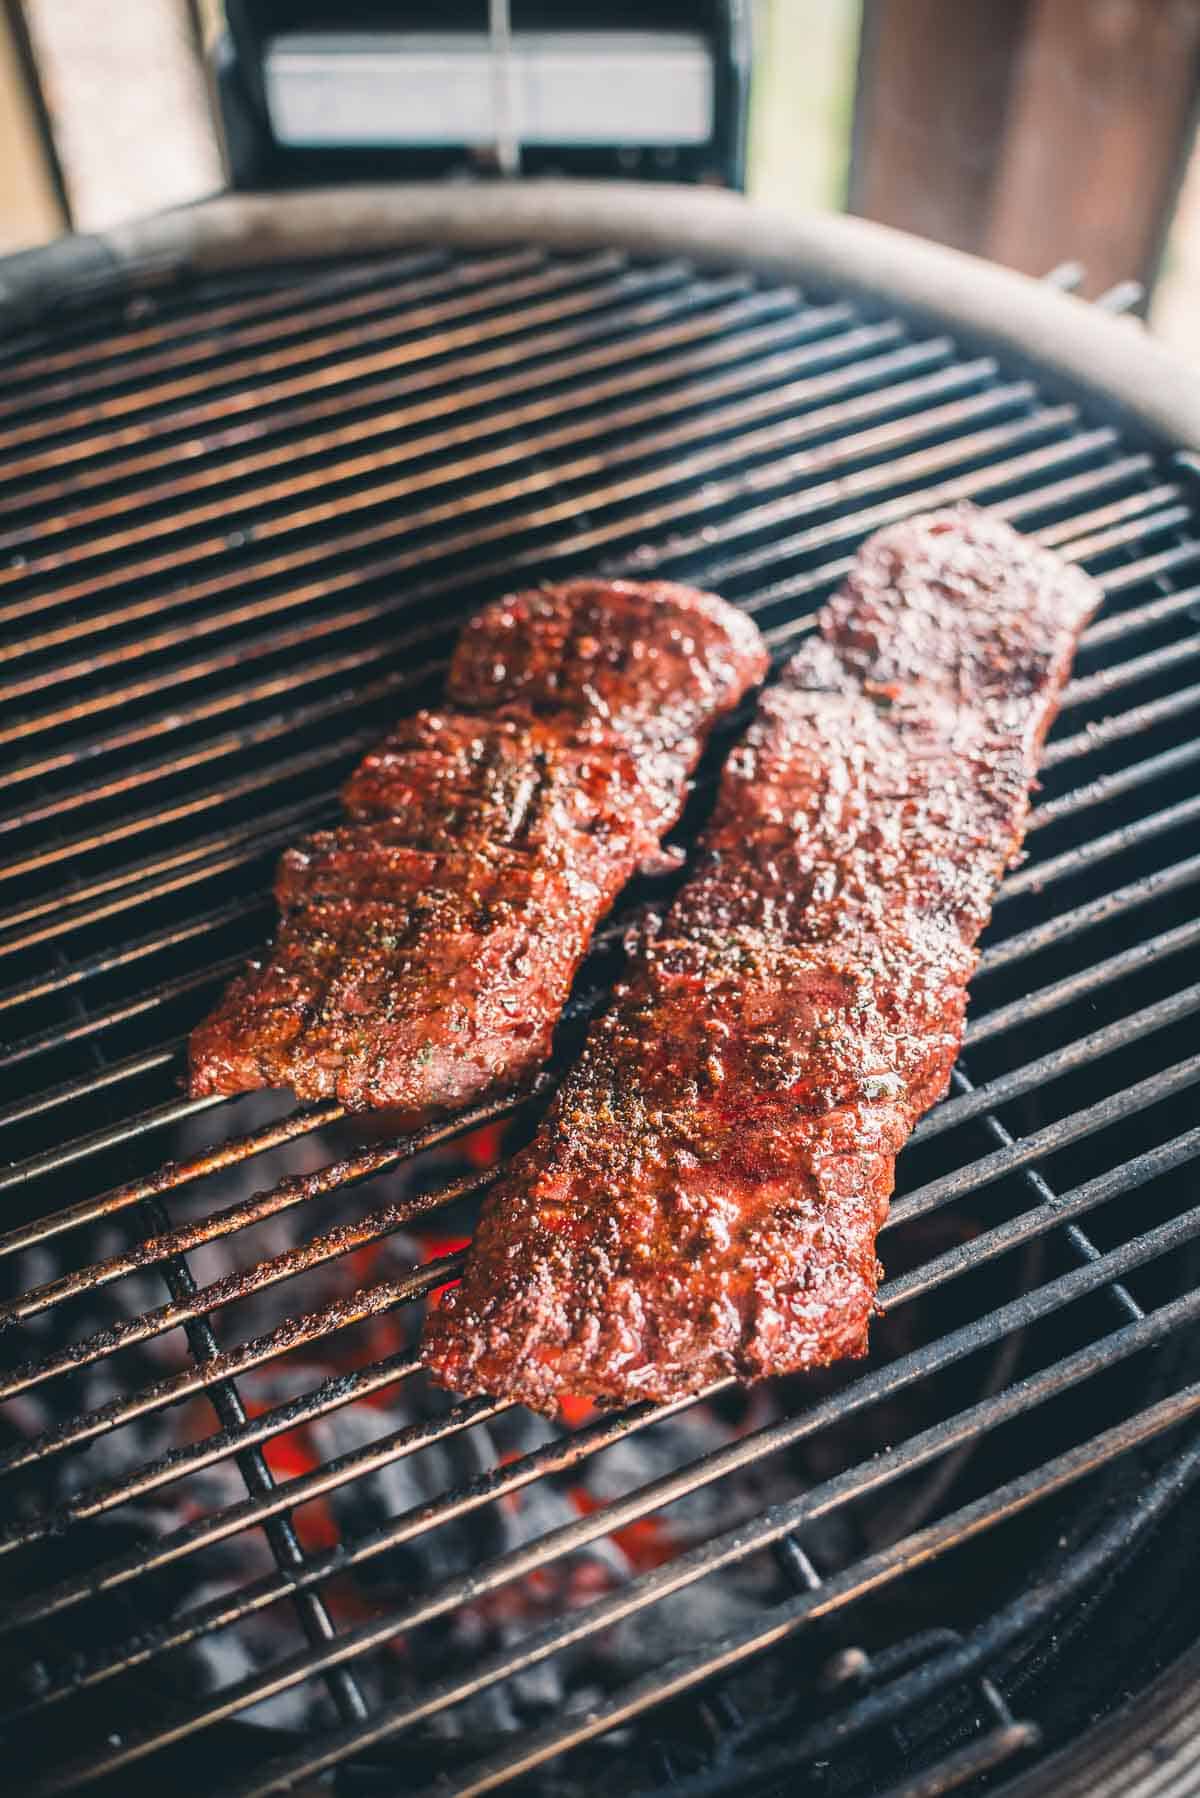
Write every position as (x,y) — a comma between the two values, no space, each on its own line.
(704,1195)
(427,946)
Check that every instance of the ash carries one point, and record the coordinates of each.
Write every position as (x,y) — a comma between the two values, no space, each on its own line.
(402,1484)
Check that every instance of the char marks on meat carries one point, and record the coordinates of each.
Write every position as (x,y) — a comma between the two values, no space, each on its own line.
(427,946)
(704,1196)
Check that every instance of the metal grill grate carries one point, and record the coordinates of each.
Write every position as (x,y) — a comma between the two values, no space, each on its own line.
(238,531)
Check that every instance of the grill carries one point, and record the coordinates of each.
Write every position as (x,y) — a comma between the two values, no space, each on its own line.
(243,515)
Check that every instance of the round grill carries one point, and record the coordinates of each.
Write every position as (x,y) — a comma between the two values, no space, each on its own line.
(244,511)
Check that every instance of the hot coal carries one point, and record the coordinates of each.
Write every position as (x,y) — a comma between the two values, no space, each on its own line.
(372,1500)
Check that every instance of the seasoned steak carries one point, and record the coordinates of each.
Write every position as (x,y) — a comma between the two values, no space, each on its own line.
(427,946)
(704,1196)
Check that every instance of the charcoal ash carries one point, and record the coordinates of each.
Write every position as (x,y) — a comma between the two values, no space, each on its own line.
(401,1485)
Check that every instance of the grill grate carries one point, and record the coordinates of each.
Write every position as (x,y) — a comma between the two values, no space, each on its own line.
(239,530)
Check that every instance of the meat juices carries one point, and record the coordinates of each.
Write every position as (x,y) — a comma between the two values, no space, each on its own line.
(704,1196)
(427,946)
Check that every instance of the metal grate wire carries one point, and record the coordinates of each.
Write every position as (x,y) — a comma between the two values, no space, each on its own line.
(236,538)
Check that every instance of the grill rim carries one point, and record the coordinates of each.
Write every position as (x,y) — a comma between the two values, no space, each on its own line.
(1125,1754)
(135,258)
(1066,339)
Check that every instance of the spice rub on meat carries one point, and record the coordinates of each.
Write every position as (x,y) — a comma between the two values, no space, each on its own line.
(704,1196)
(426,946)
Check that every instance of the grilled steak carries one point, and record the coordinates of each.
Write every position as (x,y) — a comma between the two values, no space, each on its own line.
(426,947)
(704,1196)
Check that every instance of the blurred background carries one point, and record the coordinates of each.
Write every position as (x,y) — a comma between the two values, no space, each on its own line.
(1029,131)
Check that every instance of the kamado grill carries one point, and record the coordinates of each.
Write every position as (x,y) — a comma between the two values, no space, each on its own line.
(260,459)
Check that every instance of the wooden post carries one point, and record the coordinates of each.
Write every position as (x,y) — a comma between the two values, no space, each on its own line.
(929,117)
(1102,115)
(33,205)
(1029,132)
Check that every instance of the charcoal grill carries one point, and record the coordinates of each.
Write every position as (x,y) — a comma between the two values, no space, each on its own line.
(260,458)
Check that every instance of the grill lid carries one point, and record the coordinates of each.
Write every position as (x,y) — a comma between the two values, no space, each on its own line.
(241,523)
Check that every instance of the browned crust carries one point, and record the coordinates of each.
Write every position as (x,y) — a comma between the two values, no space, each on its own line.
(704,1196)
(427,946)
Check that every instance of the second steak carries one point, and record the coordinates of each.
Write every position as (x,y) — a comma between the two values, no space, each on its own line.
(427,946)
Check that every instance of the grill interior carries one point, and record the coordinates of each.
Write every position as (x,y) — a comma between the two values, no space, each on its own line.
(239,526)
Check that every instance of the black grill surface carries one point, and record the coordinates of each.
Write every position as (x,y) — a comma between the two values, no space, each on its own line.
(242,1543)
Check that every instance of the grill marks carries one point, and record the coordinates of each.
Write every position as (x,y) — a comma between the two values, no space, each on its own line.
(427,946)
(705,1194)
